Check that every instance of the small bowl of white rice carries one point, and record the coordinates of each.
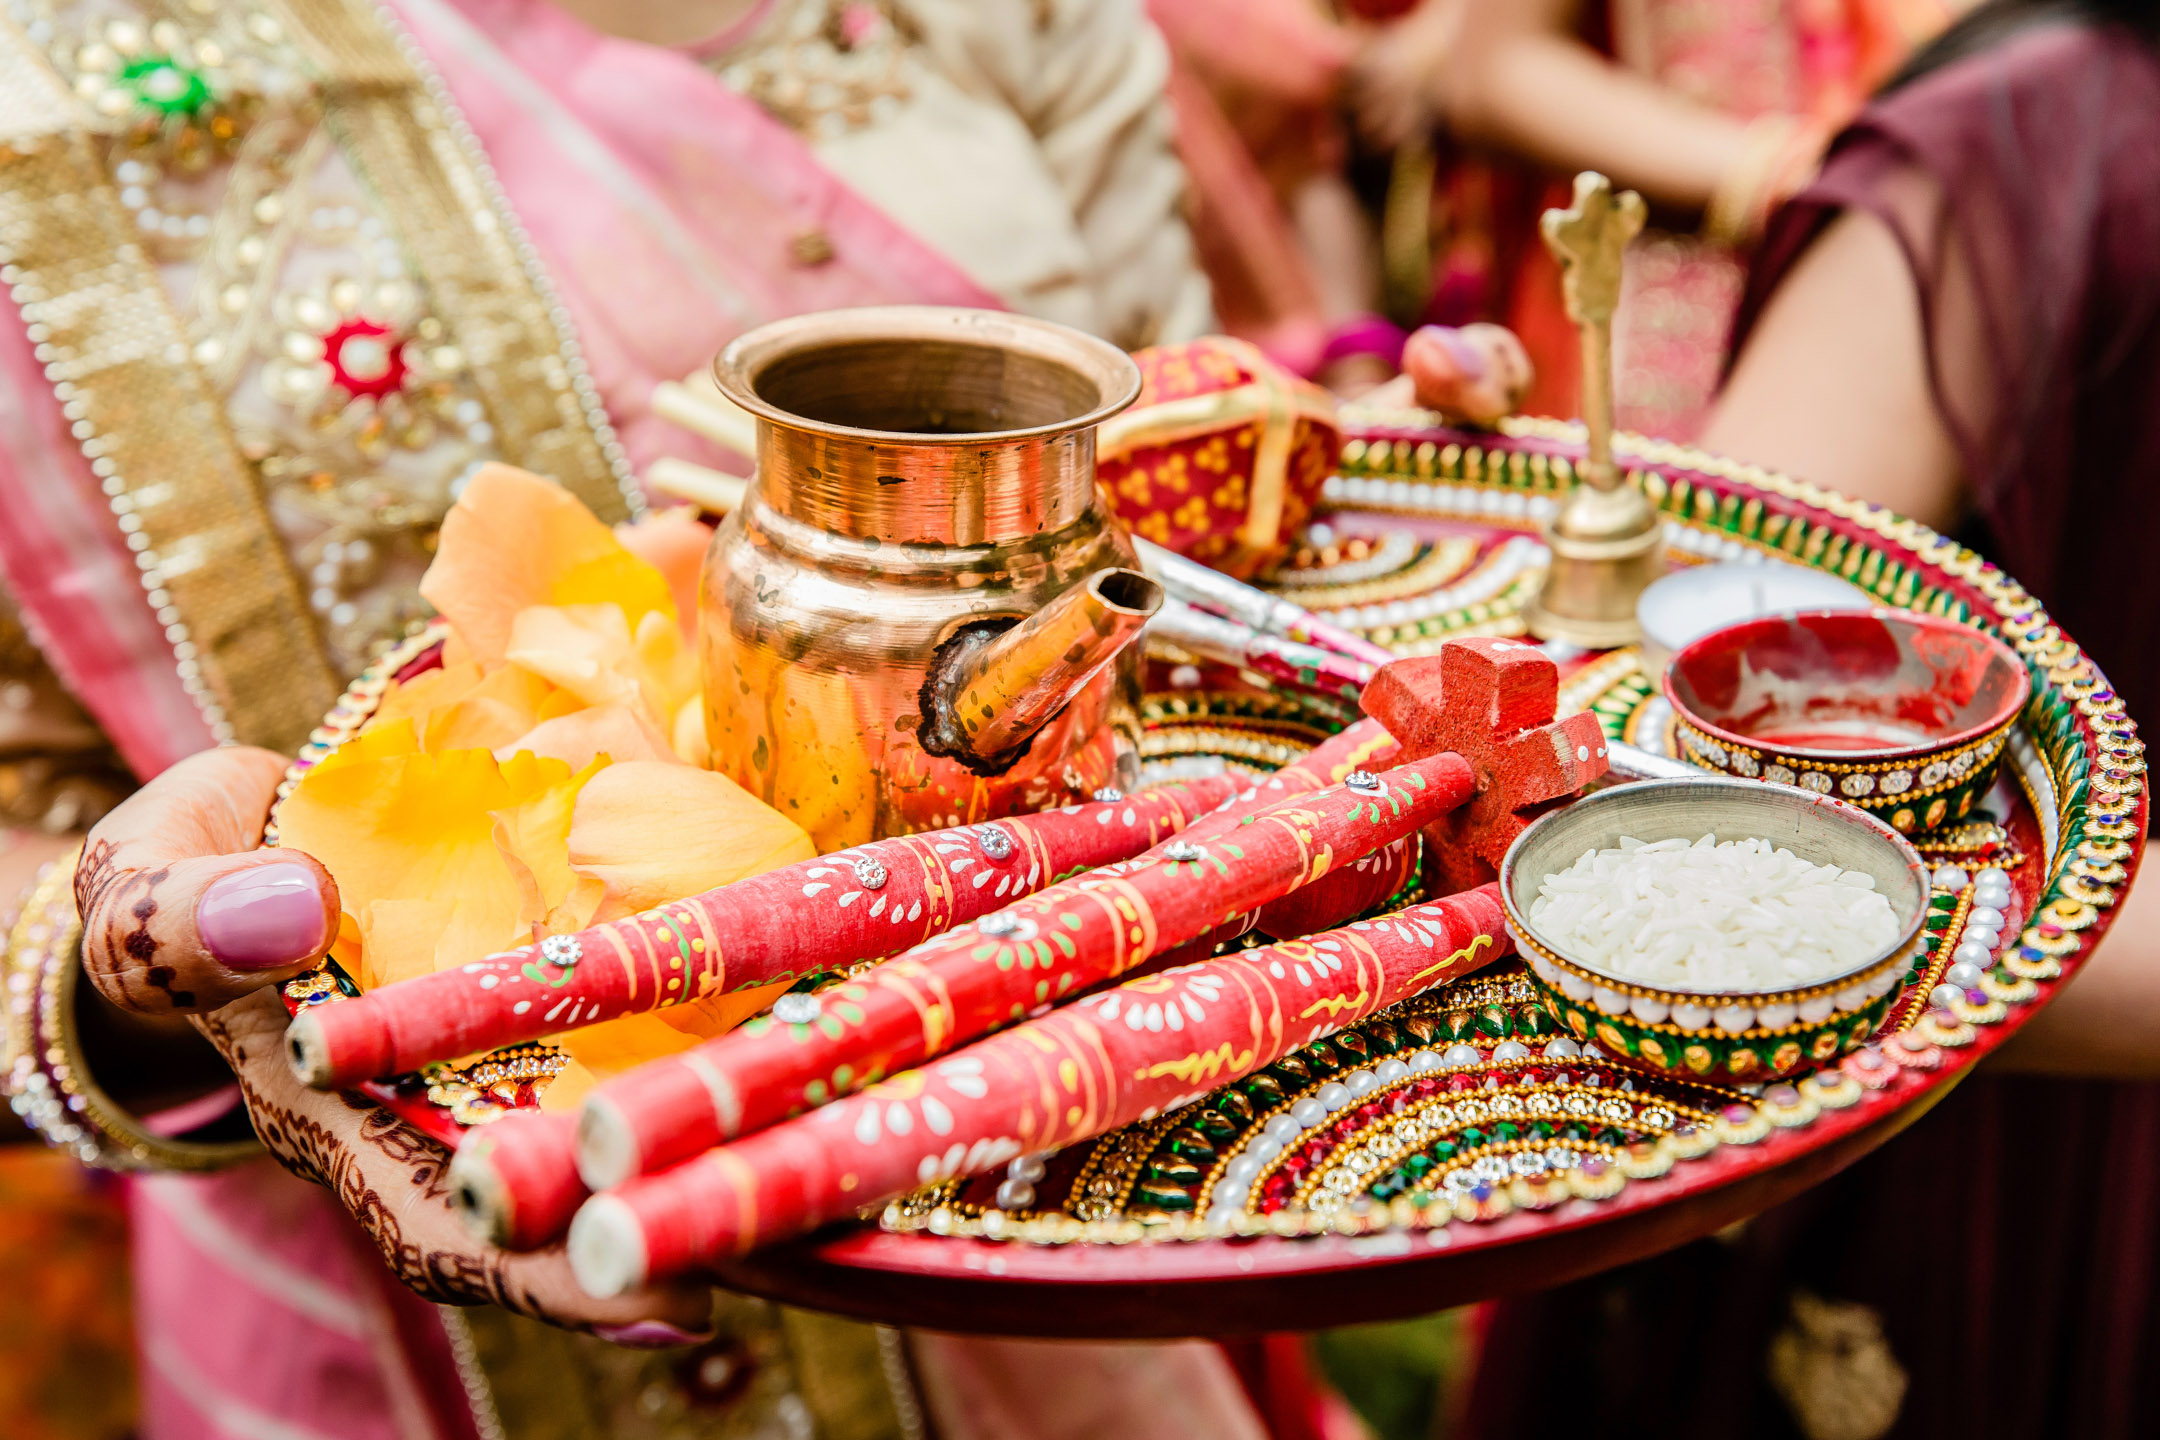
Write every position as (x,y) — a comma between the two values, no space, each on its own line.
(1715,928)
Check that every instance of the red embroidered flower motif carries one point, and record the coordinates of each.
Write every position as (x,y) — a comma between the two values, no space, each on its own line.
(366,358)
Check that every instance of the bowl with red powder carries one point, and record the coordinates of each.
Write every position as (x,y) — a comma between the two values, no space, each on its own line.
(1901,714)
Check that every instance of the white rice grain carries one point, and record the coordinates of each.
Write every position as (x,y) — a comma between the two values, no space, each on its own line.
(1711,917)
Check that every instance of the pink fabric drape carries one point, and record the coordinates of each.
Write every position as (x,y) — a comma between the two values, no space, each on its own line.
(669,212)
(668,208)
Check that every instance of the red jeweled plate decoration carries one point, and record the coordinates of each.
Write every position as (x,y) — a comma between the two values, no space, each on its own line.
(1461,1144)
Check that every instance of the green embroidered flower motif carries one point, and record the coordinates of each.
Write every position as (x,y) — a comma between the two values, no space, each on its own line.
(165,85)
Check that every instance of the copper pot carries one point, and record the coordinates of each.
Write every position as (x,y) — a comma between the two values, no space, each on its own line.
(925,482)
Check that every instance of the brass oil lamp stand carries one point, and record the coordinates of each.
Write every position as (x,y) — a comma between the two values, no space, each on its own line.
(1606,539)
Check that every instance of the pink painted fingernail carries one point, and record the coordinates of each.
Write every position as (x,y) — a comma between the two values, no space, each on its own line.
(264,917)
(648,1335)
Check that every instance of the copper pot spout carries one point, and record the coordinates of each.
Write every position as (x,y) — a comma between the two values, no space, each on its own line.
(991,687)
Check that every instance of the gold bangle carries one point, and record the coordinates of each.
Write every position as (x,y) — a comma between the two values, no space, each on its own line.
(47,1080)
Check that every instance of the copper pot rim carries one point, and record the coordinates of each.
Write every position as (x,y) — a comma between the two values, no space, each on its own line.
(1117,379)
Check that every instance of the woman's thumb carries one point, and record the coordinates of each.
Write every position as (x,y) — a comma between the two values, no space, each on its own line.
(180,911)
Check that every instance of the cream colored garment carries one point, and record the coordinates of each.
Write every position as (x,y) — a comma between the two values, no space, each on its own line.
(1028,141)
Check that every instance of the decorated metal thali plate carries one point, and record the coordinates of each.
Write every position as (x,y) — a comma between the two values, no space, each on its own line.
(1465,1143)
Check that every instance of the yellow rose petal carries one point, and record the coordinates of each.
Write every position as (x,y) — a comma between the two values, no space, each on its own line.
(534,839)
(585,649)
(674,542)
(392,822)
(688,734)
(620,732)
(398,940)
(413,699)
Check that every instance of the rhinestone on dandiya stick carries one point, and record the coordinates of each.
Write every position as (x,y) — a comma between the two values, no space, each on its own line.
(1056,1080)
(832,912)
(1483,745)
(523,1192)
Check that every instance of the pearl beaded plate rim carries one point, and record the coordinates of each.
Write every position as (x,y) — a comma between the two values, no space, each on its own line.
(1816,827)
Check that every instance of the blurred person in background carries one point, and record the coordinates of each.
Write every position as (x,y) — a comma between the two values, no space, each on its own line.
(1256,86)
(1958,318)
(1715,111)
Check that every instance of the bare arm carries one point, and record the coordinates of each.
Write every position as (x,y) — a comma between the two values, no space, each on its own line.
(2106,1025)
(1514,75)
(1832,386)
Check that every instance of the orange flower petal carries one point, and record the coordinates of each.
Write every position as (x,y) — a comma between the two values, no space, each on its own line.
(713,1015)
(656,833)
(426,691)
(584,649)
(399,938)
(515,540)
(688,734)
(567,1091)
(504,705)
(594,653)
(672,541)
(534,838)
(345,949)
(667,665)
(620,732)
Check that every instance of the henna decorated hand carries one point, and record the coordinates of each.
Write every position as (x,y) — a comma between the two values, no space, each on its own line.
(1477,374)
(181,910)
(391,1179)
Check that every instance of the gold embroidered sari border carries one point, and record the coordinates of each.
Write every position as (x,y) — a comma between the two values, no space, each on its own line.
(116,354)
(480,271)
(153,422)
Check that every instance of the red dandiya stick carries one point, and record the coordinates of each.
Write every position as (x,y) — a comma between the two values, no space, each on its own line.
(514,1180)
(1125,1055)
(834,911)
(1491,700)
(1040,951)
(521,1189)
(1322,905)
(1365,745)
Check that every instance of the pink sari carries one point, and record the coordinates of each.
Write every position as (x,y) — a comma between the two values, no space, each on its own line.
(668,211)
(664,206)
